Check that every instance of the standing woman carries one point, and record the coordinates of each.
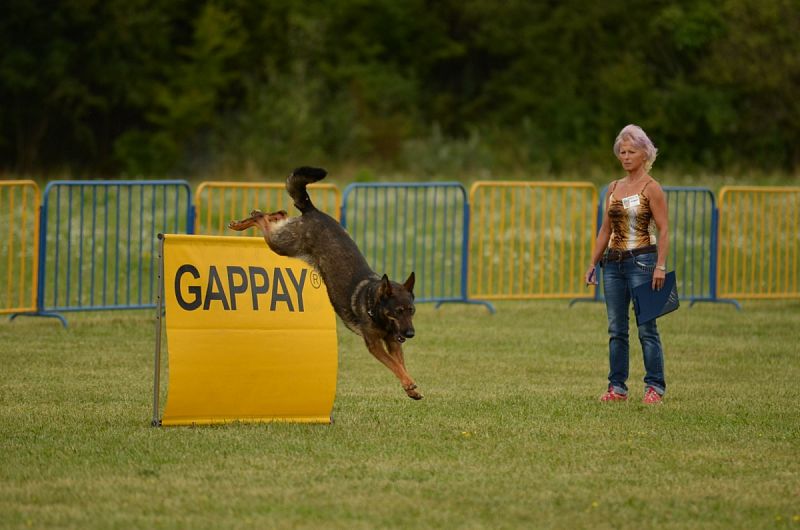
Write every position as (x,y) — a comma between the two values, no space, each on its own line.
(630,257)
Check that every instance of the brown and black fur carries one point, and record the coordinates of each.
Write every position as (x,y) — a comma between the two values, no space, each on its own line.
(372,306)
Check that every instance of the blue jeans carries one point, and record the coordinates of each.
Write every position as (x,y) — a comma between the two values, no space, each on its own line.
(619,279)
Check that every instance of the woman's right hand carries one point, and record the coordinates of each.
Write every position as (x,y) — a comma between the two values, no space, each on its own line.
(590,277)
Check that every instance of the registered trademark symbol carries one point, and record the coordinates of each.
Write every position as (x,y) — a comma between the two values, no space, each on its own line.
(315,280)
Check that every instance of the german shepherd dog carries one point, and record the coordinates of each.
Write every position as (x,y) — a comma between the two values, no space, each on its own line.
(372,306)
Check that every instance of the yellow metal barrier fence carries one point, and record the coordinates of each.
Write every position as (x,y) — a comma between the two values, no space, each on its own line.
(759,242)
(19,245)
(531,239)
(217,203)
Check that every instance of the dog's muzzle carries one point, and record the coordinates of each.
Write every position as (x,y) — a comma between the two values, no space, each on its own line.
(407,334)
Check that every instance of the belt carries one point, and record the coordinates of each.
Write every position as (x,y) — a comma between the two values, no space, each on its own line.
(619,255)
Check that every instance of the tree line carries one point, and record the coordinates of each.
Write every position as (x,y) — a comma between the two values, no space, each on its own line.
(181,87)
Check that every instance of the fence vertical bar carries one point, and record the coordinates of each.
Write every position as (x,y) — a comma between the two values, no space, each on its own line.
(94,240)
(10,238)
(23,245)
(141,237)
(714,258)
(80,253)
(68,279)
(105,246)
(42,251)
(128,244)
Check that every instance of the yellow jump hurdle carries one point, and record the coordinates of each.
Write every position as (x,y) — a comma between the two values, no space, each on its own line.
(251,335)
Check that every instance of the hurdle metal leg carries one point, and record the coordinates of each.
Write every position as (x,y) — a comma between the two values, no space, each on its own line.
(159,312)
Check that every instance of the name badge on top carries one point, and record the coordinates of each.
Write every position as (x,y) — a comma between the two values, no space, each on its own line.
(630,202)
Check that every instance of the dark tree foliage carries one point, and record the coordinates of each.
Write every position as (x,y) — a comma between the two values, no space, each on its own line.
(170,87)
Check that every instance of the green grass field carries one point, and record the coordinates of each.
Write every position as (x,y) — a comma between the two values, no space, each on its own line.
(510,434)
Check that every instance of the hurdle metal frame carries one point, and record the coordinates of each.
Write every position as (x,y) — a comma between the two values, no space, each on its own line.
(156,422)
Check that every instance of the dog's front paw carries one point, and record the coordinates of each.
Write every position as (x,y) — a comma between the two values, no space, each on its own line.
(411,391)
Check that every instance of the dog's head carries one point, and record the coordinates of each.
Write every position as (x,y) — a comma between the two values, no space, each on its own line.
(396,305)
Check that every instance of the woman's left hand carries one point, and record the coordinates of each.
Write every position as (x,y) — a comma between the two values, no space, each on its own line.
(658,279)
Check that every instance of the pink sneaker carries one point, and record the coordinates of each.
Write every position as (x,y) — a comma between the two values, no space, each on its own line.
(651,397)
(610,395)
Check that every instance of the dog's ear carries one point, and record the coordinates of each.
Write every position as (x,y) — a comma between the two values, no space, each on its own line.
(409,285)
(385,289)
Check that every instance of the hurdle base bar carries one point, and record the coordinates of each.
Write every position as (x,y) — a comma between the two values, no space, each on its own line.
(576,300)
(484,303)
(43,314)
(595,297)
(730,301)
(197,422)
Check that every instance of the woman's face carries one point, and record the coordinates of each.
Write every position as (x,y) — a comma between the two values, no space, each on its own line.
(631,157)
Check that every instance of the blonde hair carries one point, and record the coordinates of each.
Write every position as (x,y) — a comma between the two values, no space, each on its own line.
(637,136)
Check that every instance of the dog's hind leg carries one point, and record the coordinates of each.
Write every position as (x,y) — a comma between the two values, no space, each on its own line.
(376,348)
(259,219)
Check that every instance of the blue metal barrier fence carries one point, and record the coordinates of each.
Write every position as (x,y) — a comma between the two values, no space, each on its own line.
(414,227)
(693,220)
(98,242)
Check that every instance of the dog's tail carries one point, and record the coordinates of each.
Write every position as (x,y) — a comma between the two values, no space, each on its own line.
(296,185)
